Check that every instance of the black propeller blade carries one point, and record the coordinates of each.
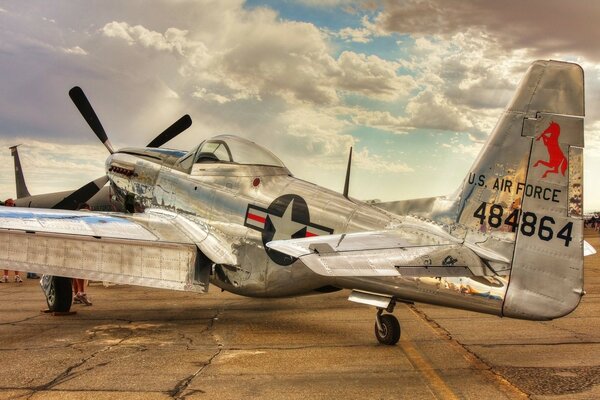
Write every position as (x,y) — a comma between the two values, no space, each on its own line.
(178,126)
(81,195)
(86,110)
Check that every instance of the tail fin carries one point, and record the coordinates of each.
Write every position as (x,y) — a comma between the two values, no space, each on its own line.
(19,178)
(525,191)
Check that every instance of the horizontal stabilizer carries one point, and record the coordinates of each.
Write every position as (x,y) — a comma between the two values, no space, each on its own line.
(384,253)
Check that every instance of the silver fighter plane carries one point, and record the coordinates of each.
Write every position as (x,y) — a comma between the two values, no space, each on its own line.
(508,242)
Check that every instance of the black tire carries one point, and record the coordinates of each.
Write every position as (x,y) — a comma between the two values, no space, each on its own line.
(390,332)
(60,294)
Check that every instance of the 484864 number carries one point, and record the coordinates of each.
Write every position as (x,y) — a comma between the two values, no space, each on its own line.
(530,223)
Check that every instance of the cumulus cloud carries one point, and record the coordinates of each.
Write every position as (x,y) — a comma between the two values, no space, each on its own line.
(308,134)
(592,139)
(203,93)
(383,120)
(462,83)
(375,163)
(433,111)
(261,55)
(372,76)
(328,3)
(315,133)
(467,56)
(456,147)
(546,26)
(358,35)
(348,6)
(172,40)
(75,50)
(364,34)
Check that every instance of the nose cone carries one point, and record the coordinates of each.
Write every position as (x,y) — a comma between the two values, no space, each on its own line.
(120,167)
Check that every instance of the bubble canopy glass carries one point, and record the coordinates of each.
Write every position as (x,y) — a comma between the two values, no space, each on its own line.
(232,149)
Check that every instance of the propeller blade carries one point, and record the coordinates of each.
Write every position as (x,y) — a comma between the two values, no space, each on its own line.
(81,195)
(178,126)
(86,110)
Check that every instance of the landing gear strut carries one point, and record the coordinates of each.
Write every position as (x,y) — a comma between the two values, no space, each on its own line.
(387,328)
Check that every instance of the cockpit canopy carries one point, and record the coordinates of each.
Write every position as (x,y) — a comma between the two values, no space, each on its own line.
(230,149)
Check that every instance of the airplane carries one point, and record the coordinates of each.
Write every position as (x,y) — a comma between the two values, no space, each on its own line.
(95,193)
(509,241)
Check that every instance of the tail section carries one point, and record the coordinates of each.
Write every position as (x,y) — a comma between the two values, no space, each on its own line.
(19,178)
(525,192)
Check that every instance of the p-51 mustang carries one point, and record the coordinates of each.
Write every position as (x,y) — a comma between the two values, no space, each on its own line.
(509,242)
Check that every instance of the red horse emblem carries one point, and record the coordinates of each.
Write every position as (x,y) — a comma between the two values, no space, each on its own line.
(556,157)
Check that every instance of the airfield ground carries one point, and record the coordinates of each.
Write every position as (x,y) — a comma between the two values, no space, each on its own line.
(138,343)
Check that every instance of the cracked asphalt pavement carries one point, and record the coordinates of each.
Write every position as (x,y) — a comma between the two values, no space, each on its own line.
(139,343)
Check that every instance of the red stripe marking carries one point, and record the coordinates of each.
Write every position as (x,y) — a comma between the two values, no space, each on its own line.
(310,234)
(257,218)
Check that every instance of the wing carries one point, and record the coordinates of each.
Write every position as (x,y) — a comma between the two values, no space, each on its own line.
(408,253)
(155,249)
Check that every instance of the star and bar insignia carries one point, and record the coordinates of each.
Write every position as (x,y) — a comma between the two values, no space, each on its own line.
(287,217)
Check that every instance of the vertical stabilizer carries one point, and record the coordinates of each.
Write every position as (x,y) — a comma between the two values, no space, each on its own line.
(525,192)
(19,178)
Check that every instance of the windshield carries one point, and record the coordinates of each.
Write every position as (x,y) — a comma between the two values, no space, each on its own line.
(227,148)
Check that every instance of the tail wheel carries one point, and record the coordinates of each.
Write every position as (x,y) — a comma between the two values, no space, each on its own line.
(60,294)
(387,329)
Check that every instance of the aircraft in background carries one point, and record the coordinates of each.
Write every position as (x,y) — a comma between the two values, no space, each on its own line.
(509,242)
(95,193)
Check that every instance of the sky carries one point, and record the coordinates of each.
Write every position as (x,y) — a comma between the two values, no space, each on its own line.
(414,86)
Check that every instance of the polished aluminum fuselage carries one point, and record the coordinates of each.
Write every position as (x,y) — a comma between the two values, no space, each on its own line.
(218,195)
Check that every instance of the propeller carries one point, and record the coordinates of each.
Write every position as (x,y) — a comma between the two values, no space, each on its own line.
(86,192)
(175,129)
(81,195)
(86,110)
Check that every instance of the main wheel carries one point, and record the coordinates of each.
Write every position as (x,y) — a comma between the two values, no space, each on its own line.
(390,330)
(60,294)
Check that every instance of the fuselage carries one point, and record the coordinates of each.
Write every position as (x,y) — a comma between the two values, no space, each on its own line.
(101,201)
(250,205)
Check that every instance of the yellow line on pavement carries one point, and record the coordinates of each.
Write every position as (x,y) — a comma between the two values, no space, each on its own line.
(503,384)
(436,383)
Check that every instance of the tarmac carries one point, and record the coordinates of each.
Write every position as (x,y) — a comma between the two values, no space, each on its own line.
(140,343)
